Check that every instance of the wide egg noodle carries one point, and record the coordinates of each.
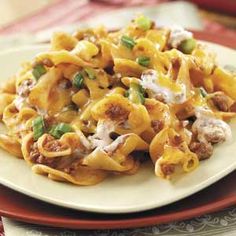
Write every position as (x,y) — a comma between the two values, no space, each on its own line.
(85,176)
(116,156)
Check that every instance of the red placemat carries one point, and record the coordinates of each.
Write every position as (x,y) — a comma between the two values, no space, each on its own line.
(76,11)
(228,6)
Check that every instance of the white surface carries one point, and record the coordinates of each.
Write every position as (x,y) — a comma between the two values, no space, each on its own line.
(116,194)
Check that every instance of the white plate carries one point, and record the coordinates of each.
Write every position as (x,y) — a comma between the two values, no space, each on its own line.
(123,194)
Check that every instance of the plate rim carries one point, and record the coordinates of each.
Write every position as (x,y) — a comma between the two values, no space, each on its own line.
(133,222)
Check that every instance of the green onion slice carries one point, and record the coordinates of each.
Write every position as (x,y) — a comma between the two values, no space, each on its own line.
(91,73)
(58,130)
(187,46)
(127,41)
(126,94)
(203,92)
(78,80)
(143,61)
(38,127)
(143,23)
(38,71)
(136,93)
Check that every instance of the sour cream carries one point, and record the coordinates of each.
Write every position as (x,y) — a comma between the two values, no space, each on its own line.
(209,128)
(114,145)
(151,81)
(102,137)
(19,102)
(178,35)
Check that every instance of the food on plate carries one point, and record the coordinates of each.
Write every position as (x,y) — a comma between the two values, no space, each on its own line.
(99,103)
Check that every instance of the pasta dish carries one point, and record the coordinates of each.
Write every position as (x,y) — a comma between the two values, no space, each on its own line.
(100,103)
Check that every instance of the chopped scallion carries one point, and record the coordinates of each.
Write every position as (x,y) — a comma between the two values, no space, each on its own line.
(203,92)
(187,46)
(143,22)
(126,94)
(78,80)
(38,127)
(136,94)
(58,130)
(38,71)
(143,61)
(127,41)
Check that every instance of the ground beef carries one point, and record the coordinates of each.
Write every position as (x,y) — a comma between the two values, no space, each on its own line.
(177,140)
(47,62)
(221,101)
(203,150)
(186,112)
(160,97)
(117,112)
(53,145)
(38,158)
(211,130)
(149,107)
(167,169)
(157,125)
(233,107)
(13,109)
(176,63)
(215,136)
(34,152)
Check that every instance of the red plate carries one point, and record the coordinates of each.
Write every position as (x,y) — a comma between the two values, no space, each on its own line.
(218,196)
(23,208)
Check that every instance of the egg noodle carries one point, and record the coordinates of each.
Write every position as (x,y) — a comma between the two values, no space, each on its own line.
(99,103)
